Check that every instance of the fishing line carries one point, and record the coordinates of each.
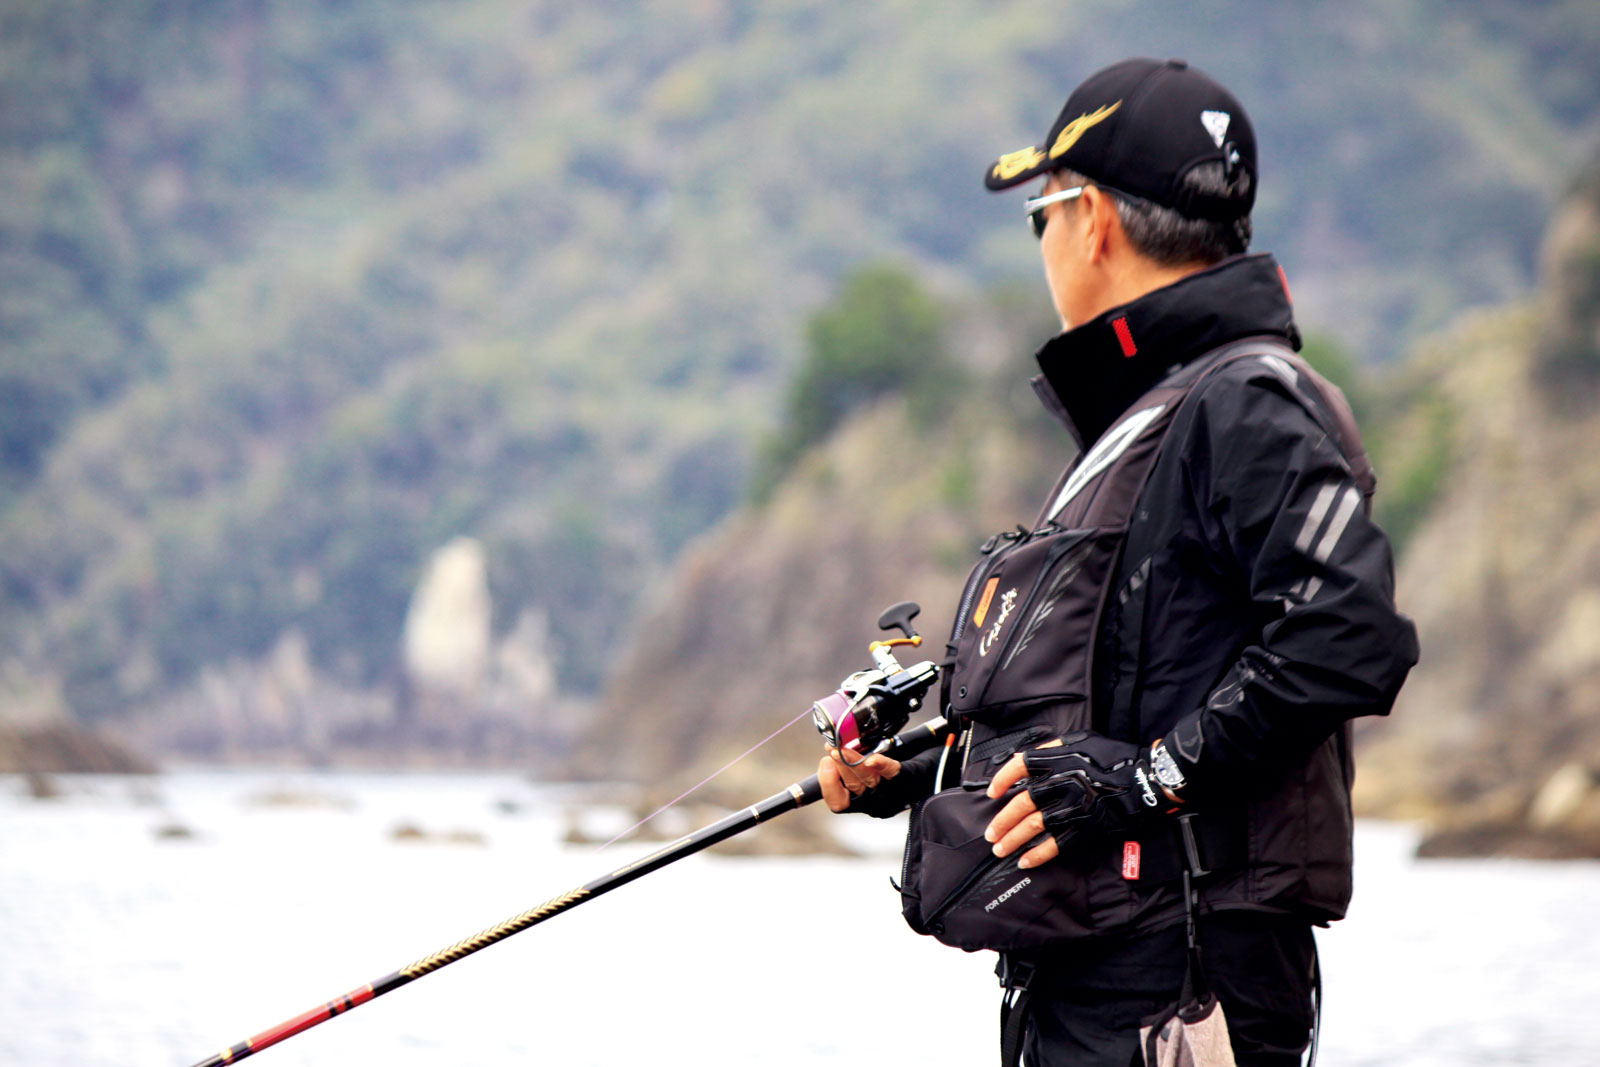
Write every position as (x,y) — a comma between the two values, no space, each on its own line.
(704,781)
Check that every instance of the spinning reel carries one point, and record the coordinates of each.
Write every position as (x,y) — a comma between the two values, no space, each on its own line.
(872,706)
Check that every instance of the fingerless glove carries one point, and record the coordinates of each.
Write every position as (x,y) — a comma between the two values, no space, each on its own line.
(1092,787)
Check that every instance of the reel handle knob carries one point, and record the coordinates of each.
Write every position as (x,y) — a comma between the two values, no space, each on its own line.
(899,617)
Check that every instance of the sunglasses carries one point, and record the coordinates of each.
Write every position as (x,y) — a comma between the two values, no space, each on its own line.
(1035,207)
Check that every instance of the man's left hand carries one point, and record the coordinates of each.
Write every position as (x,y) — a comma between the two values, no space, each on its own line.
(1019,821)
(1087,786)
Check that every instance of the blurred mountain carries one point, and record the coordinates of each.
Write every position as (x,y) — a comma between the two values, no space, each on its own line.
(292,296)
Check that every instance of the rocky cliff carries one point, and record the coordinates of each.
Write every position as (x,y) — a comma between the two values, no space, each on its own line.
(769,611)
(1496,738)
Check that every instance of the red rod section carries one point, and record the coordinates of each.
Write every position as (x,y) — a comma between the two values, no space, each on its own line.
(300,1023)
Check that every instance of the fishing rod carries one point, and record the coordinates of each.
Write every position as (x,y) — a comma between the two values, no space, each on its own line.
(863,717)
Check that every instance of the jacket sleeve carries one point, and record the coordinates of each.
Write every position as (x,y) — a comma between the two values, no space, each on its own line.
(1281,514)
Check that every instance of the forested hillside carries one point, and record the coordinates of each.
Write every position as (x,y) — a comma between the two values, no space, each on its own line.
(293,294)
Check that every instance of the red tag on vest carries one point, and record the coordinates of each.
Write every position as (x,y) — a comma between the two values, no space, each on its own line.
(1130,860)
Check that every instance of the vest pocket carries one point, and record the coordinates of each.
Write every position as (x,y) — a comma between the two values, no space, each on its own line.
(956,889)
(1029,637)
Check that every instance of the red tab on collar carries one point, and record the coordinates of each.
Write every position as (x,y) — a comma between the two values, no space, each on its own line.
(1124,337)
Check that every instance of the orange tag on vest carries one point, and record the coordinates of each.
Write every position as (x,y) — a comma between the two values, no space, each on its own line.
(1130,860)
(983,604)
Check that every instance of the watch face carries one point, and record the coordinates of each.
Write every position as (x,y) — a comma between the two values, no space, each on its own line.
(1166,768)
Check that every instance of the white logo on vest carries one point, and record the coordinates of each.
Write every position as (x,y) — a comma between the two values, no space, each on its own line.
(1008,601)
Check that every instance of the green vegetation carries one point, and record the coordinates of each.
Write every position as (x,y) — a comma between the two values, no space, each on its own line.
(292,293)
(883,333)
(1407,492)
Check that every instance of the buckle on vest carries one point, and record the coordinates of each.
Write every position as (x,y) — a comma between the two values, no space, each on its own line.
(1014,973)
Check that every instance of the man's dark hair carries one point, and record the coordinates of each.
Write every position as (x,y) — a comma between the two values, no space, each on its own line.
(1170,239)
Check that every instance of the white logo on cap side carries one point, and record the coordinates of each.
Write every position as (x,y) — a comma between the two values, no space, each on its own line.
(1216,124)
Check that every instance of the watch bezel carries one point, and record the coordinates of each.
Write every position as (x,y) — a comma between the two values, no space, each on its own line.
(1165,767)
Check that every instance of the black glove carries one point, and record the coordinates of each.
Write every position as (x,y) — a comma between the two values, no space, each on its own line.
(1092,787)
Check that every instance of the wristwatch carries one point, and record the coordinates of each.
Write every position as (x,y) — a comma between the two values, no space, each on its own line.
(1166,771)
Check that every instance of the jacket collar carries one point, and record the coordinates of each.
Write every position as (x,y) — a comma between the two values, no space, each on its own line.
(1093,372)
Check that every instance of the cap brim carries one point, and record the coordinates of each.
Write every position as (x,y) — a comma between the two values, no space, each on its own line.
(1014,168)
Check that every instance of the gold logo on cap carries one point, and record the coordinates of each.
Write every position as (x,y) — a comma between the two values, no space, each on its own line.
(1014,163)
(1078,127)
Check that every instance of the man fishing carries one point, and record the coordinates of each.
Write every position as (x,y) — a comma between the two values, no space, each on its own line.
(1148,798)
(1144,803)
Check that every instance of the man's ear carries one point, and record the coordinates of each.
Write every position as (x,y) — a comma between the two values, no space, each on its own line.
(1104,225)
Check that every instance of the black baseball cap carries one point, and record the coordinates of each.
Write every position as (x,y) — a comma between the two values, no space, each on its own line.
(1138,127)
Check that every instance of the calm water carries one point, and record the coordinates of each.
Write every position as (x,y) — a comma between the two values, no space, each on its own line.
(120,946)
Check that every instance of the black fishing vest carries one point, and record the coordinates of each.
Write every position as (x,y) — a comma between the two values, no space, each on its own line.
(1024,638)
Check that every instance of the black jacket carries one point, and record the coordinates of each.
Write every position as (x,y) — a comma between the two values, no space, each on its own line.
(1262,619)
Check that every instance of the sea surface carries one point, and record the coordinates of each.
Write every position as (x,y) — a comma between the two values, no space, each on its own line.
(155,921)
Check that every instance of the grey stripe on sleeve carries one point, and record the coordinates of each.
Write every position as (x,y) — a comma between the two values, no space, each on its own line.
(1349,501)
(1341,518)
(1319,509)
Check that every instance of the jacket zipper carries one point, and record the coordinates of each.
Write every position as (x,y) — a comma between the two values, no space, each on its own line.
(911,835)
(959,895)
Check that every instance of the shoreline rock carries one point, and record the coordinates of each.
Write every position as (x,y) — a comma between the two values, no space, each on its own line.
(1508,841)
(63,749)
